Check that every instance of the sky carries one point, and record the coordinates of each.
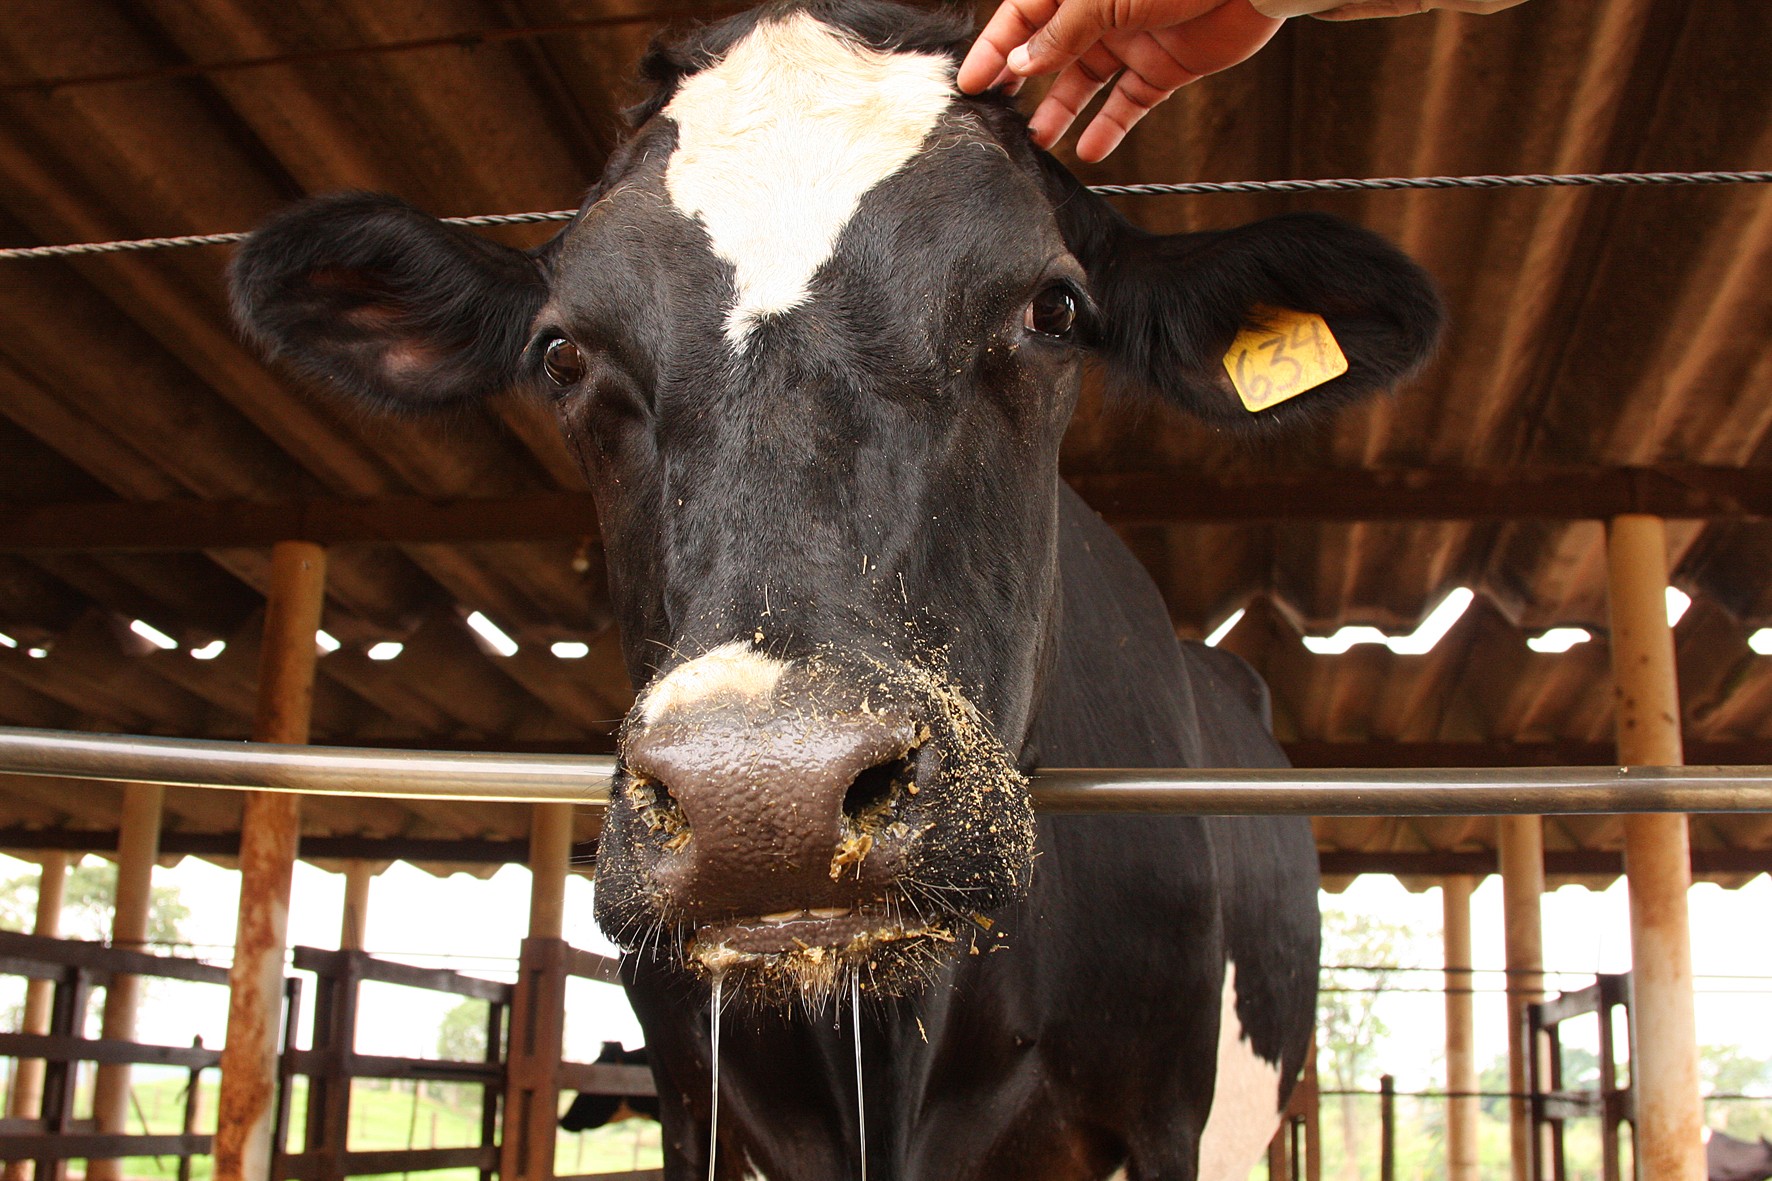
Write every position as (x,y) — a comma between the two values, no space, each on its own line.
(475,926)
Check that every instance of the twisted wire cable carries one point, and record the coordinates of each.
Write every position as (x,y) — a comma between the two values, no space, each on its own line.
(1533,180)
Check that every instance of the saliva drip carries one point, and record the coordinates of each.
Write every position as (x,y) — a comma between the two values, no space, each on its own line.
(714,1103)
(861,1111)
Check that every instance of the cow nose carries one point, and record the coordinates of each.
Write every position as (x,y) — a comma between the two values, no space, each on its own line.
(772,812)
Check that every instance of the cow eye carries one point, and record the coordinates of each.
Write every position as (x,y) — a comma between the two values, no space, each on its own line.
(1052,313)
(564,364)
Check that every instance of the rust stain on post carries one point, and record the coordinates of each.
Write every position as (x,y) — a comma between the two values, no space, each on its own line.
(270,829)
(26,1100)
(1657,859)
(1520,843)
(1461,1062)
(138,847)
(550,856)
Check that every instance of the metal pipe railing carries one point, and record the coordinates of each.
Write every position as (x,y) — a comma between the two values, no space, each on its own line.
(584,779)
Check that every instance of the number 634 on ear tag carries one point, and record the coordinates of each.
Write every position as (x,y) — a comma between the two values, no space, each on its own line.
(1291,353)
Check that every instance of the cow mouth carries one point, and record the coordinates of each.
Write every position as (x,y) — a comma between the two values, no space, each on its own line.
(813,951)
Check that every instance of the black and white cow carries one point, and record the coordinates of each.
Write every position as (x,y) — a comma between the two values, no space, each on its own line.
(815,337)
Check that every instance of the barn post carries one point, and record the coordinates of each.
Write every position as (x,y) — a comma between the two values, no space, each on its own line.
(532,1086)
(1657,859)
(550,856)
(1461,1061)
(138,847)
(1520,841)
(355,921)
(270,829)
(27,1083)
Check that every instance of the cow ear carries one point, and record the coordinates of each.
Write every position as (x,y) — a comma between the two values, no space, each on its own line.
(385,302)
(1170,305)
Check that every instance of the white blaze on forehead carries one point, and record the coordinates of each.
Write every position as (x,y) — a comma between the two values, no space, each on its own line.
(732,672)
(779,142)
(1245,1100)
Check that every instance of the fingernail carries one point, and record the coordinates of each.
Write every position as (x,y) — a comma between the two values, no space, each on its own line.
(1018,59)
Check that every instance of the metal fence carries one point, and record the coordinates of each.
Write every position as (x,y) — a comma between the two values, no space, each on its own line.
(449,775)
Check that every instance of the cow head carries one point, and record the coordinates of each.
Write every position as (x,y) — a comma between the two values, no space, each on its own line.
(815,337)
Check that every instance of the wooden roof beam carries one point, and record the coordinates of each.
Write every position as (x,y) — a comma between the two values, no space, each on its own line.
(1386,494)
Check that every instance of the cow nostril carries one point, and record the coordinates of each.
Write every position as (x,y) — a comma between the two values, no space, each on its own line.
(873,791)
(659,811)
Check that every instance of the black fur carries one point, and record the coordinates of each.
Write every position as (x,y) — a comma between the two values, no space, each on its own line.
(389,304)
(870,487)
(592,1110)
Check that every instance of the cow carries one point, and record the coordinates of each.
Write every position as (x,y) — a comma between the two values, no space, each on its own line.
(1729,1159)
(814,337)
(590,1110)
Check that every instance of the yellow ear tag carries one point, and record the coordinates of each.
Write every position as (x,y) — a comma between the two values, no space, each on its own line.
(1294,352)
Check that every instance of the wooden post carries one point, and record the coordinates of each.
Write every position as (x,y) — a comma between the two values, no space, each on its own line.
(27,1082)
(1520,841)
(138,847)
(358,875)
(1657,860)
(550,855)
(532,1088)
(532,1078)
(270,830)
(1461,1059)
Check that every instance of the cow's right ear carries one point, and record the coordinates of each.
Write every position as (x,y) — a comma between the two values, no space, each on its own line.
(385,302)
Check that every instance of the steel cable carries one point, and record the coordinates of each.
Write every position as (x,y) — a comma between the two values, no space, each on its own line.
(1194,188)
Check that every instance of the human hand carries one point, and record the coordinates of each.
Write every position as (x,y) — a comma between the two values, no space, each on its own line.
(1156,47)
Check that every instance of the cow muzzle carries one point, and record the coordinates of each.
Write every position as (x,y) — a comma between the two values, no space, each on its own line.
(793,824)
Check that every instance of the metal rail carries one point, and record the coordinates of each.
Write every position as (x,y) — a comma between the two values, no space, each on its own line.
(444,775)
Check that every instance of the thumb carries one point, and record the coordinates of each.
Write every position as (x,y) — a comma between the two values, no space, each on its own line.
(1077,25)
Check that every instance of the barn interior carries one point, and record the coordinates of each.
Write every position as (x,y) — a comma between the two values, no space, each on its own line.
(1610,352)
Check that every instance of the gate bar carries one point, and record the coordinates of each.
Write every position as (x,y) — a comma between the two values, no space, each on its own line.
(584,779)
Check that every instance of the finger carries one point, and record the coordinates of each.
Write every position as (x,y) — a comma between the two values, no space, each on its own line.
(1071,91)
(1062,39)
(1010,26)
(1008,81)
(1131,100)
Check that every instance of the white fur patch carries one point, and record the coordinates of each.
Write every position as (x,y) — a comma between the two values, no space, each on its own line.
(1245,1101)
(731,672)
(779,142)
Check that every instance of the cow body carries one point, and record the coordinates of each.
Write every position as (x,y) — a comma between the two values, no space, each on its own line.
(1147,1005)
(815,338)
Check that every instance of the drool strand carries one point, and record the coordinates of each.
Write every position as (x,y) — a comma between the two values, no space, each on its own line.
(714,1106)
(861,1114)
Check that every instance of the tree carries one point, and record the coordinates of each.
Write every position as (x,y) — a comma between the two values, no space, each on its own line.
(1725,1070)
(461,1038)
(1362,953)
(89,904)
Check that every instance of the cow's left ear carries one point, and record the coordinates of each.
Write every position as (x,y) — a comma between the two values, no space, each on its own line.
(1171,305)
(386,303)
